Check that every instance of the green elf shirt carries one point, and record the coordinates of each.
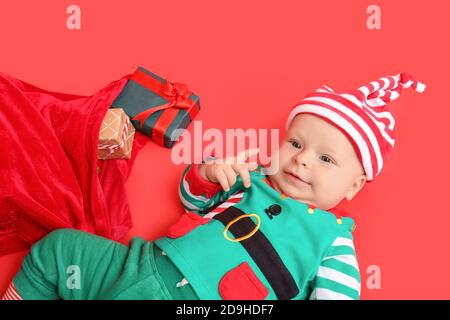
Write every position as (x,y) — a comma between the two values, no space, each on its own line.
(256,243)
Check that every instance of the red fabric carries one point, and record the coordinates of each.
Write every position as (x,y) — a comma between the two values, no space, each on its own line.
(11,293)
(48,165)
(185,224)
(241,283)
(199,185)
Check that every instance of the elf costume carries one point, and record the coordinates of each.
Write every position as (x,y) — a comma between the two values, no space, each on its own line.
(214,266)
(252,243)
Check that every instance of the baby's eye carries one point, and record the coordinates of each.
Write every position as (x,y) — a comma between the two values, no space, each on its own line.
(326,159)
(295,144)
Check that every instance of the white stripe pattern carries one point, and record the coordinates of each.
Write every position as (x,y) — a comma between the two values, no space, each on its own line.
(339,273)
(339,277)
(188,199)
(359,121)
(11,293)
(327,113)
(379,115)
(345,258)
(372,101)
(231,201)
(382,126)
(188,191)
(326,294)
(112,147)
(186,203)
(390,89)
(341,241)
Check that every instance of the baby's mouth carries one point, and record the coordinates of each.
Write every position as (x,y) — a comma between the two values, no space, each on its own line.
(295,179)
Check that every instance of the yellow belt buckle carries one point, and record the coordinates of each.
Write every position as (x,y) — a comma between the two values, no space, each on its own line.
(237,219)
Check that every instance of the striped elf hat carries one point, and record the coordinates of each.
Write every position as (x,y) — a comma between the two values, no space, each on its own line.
(363,116)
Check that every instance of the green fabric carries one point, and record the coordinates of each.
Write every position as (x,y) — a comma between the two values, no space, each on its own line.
(171,276)
(106,269)
(301,239)
(197,204)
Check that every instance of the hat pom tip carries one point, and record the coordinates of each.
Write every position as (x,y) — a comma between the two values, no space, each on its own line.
(420,87)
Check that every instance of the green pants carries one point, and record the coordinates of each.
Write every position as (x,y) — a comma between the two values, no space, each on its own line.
(71,264)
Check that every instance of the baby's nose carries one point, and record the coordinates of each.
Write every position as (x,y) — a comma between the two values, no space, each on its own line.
(302,159)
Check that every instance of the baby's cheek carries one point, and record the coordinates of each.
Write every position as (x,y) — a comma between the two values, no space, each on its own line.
(329,190)
(322,187)
(283,156)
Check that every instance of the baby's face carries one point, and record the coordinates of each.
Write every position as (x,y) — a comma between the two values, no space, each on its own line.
(317,164)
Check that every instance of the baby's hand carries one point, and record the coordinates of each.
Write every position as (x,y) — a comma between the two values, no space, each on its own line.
(225,171)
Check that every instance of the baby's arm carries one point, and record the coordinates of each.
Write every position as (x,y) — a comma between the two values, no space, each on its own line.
(199,194)
(203,186)
(338,276)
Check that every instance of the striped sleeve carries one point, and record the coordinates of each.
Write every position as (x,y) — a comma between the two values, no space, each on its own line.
(338,276)
(11,293)
(198,194)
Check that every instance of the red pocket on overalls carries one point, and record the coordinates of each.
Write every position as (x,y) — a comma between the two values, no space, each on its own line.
(241,283)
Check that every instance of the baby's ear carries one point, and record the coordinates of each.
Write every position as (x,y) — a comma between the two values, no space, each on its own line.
(356,186)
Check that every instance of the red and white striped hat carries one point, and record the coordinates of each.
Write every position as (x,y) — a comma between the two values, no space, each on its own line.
(363,116)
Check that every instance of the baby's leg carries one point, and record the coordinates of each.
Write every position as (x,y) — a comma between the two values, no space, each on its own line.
(66,264)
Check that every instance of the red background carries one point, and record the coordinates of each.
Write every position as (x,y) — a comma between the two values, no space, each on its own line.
(250,61)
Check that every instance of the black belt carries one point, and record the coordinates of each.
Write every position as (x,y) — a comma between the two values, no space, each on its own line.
(262,252)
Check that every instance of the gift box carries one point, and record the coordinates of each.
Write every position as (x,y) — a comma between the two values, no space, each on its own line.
(116,136)
(157,107)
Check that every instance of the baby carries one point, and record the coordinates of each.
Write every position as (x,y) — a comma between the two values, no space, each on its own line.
(246,234)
